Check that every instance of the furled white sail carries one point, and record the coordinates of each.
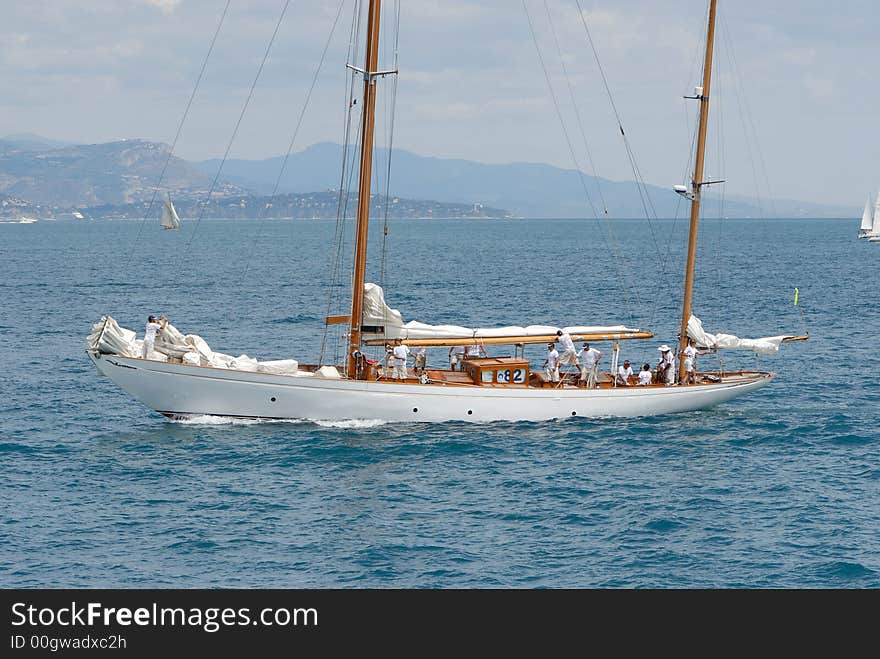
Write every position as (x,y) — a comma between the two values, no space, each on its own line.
(867,220)
(109,338)
(763,346)
(169,214)
(377,315)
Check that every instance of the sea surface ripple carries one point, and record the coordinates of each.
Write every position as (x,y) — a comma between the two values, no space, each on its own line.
(780,489)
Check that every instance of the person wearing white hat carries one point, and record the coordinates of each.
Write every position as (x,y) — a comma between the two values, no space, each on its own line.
(666,366)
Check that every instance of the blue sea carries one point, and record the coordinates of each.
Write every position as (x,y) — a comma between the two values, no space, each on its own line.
(780,489)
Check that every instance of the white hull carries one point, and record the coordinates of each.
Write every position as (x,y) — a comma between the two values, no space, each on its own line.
(178,390)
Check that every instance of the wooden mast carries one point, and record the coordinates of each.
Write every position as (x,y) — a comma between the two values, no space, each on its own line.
(696,188)
(363,215)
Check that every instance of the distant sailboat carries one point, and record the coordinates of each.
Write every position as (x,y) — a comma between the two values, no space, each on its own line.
(873,234)
(867,221)
(169,215)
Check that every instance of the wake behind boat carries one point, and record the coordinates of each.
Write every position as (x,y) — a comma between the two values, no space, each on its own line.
(185,378)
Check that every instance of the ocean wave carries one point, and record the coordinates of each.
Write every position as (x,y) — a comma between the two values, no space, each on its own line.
(350,423)
(212,420)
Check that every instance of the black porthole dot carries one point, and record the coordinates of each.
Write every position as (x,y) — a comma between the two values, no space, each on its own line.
(470,411)
(272,399)
(574,413)
(415,409)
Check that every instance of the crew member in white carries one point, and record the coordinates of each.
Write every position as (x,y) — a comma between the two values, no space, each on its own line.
(589,365)
(551,364)
(645,375)
(150,334)
(456,354)
(401,353)
(475,351)
(690,363)
(666,366)
(569,355)
(624,373)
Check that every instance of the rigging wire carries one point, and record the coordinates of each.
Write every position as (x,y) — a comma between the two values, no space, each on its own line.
(689,165)
(179,130)
(577,165)
(392,113)
(753,147)
(640,181)
(237,125)
(577,112)
(337,254)
(264,211)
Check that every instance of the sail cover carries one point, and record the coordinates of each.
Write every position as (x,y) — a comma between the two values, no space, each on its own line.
(380,321)
(763,346)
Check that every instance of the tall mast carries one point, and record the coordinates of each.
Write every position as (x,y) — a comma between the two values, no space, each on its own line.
(363,216)
(696,187)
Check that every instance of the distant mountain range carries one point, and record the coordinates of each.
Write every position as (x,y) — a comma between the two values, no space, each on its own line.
(114,179)
(525,189)
(94,174)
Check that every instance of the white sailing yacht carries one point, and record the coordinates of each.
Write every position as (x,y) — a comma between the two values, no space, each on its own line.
(873,230)
(169,220)
(865,228)
(185,379)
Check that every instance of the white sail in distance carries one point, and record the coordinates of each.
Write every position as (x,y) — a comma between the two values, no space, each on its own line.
(169,214)
(875,228)
(867,221)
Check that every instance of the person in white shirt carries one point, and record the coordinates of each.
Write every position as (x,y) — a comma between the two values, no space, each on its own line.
(153,326)
(690,363)
(589,361)
(551,364)
(475,351)
(569,355)
(624,373)
(401,352)
(456,354)
(645,375)
(666,366)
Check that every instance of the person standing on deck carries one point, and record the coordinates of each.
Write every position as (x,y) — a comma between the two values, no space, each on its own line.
(401,353)
(589,361)
(666,366)
(456,355)
(690,363)
(551,364)
(569,355)
(150,334)
(475,351)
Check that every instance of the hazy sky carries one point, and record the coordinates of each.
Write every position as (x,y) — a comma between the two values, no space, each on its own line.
(795,93)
